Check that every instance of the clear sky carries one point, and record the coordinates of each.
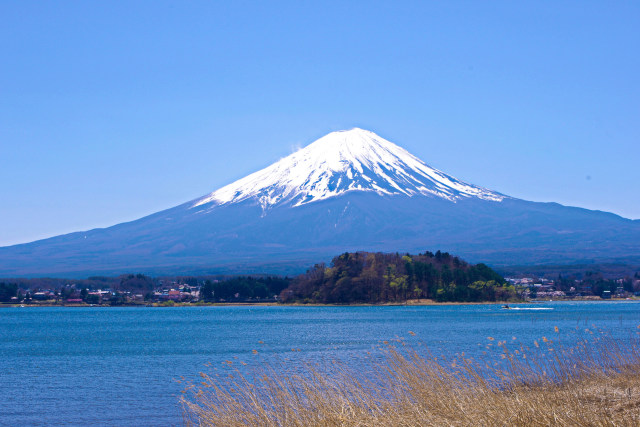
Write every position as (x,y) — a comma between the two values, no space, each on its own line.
(113,110)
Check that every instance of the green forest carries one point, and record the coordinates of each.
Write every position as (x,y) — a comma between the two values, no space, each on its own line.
(364,277)
(243,287)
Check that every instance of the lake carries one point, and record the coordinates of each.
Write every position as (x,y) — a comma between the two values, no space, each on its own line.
(118,366)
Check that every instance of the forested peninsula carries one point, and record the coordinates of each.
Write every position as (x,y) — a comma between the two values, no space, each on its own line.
(373,278)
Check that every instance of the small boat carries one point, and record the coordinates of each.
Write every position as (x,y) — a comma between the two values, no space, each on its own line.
(506,306)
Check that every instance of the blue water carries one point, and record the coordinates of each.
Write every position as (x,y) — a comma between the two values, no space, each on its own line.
(118,366)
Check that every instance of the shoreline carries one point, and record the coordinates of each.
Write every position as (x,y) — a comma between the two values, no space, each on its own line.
(408,303)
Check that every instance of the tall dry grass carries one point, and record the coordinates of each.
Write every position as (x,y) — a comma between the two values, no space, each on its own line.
(596,383)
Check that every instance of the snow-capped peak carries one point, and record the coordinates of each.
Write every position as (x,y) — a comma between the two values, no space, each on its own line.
(351,160)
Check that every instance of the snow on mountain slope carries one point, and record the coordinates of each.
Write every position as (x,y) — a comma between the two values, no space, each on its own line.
(352,160)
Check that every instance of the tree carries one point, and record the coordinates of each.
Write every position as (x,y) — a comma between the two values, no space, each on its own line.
(8,291)
(92,299)
(417,292)
(207,291)
(260,291)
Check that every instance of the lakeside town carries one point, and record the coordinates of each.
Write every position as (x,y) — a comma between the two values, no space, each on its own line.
(141,290)
(533,288)
(131,290)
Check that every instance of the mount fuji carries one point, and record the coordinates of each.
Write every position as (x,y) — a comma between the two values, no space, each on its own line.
(353,160)
(349,190)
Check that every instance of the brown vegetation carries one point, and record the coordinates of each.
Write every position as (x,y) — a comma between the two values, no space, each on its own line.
(596,384)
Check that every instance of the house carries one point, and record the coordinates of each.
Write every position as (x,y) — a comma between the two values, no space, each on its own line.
(42,296)
(175,295)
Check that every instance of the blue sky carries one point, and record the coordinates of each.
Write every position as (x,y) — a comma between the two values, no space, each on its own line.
(113,110)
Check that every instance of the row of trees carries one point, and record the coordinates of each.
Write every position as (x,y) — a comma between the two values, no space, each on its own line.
(242,288)
(378,277)
(8,291)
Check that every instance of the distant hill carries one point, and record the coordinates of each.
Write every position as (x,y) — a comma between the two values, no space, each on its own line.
(364,277)
(348,191)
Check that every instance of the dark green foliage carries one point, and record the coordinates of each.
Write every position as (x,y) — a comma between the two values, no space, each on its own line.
(117,299)
(242,288)
(8,291)
(92,299)
(206,291)
(188,280)
(364,277)
(597,283)
(136,283)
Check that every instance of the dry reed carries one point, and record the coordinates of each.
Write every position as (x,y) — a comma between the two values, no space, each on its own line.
(596,383)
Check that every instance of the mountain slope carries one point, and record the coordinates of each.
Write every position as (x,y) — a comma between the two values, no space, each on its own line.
(353,160)
(347,191)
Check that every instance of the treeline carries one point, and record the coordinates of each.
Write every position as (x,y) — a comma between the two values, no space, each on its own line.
(359,277)
(364,277)
(134,283)
(124,282)
(242,288)
(606,271)
(595,283)
(8,291)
